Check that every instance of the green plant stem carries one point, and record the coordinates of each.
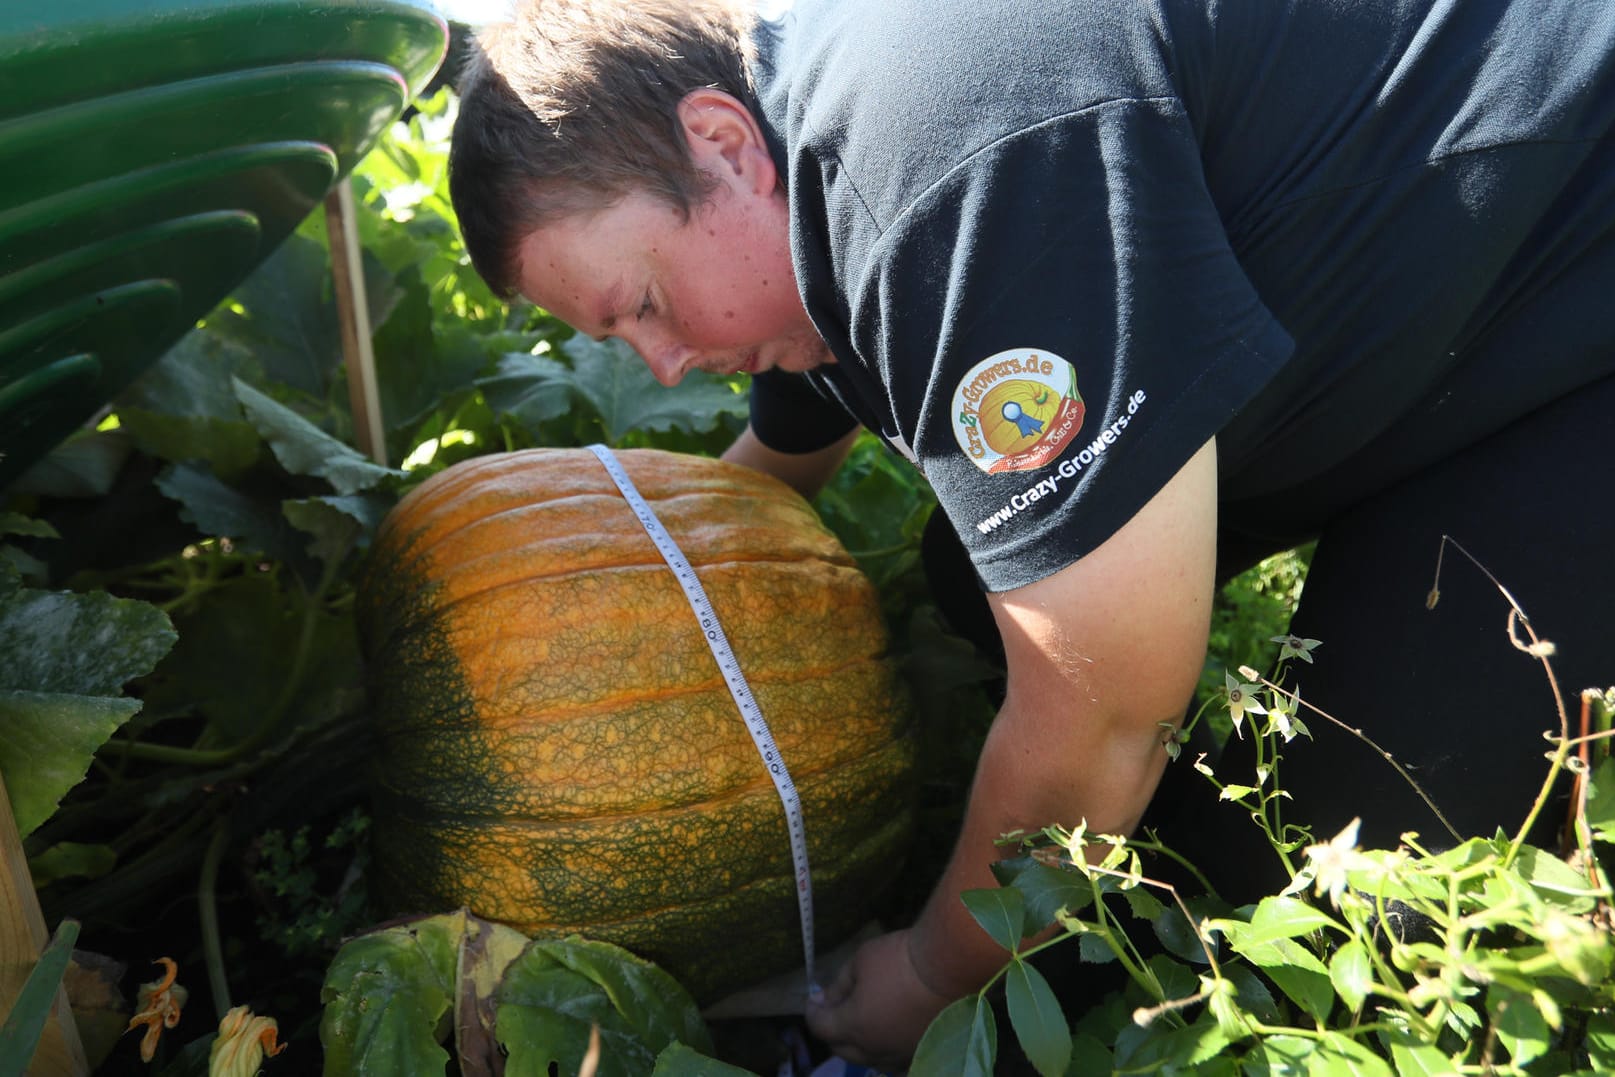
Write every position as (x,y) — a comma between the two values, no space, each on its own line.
(208,910)
(1154,845)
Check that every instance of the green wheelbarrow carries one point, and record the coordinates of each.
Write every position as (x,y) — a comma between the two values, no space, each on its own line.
(152,153)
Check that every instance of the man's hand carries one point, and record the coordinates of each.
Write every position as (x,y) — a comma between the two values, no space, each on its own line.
(878,1007)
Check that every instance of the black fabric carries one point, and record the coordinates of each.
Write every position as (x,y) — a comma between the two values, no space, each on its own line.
(1306,228)
(794,416)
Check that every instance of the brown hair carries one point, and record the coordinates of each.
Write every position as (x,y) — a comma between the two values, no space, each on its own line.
(573,104)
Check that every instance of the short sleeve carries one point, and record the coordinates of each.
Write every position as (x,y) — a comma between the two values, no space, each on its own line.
(1060,323)
(790,415)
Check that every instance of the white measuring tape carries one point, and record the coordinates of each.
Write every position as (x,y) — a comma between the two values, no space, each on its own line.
(729,666)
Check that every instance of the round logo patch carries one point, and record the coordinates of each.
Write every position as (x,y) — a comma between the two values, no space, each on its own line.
(1017,410)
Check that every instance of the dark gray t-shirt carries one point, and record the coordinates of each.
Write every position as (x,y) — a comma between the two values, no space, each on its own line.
(1057,246)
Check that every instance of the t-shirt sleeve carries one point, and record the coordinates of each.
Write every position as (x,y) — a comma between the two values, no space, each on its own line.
(790,415)
(1061,323)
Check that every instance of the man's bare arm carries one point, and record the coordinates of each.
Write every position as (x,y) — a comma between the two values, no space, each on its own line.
(1098,654)
(806,473)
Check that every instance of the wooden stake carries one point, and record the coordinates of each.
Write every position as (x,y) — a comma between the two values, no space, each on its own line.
(22,938)
(353,314)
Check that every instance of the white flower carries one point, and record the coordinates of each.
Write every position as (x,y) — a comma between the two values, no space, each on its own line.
(1330,863)
(1241,701)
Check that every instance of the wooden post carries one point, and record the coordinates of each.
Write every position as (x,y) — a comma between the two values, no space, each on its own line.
(353,314)
(22,937)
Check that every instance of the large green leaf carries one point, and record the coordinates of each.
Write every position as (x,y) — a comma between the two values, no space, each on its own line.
(558,990)
(338,523)
(304,449)
(233,511)
(46,743)
(283,316)
(184,407)
(532,389)
(627,397)
(85,644)
(419,361)
(67,657)
(385,994)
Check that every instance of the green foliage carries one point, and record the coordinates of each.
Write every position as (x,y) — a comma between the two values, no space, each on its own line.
(60,691)
(523,1005)
(1492,956)
(305,912)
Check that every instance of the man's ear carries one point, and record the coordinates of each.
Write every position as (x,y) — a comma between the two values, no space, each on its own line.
(726,140)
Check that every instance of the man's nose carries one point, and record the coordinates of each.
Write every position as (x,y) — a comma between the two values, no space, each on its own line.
(666,357)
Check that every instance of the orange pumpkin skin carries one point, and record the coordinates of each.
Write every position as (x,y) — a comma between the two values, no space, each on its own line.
(557,749)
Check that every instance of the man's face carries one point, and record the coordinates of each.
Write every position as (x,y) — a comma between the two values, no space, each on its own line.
(715,292)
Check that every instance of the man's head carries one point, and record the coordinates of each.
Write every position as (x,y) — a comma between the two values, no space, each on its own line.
(573,105)
(608,165)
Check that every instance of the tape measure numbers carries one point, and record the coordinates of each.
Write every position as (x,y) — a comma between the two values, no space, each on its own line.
(729,666)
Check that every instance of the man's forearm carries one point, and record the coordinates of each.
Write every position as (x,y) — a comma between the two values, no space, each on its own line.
(1032,773)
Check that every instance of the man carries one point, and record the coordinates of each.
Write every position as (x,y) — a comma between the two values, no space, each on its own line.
(1147,289)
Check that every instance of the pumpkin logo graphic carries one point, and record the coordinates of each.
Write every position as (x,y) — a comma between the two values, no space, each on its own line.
(1017,410)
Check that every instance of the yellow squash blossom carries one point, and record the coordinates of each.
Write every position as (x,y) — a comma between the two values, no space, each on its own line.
(243,1042)
(159,1005)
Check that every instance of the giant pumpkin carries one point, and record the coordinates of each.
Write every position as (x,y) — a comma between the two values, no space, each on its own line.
(556,747)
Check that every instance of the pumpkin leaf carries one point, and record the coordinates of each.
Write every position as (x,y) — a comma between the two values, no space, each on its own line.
(626,395)
(557,983)
(338,523)
(184,408)
(61,687)
(419,364)
(532,389)
(679,1060)
(47,741)
(961,1042)
(85,644)
(83,466)
(304,449)
(292,326)
(385,994)
(223,510)
(651,1003)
